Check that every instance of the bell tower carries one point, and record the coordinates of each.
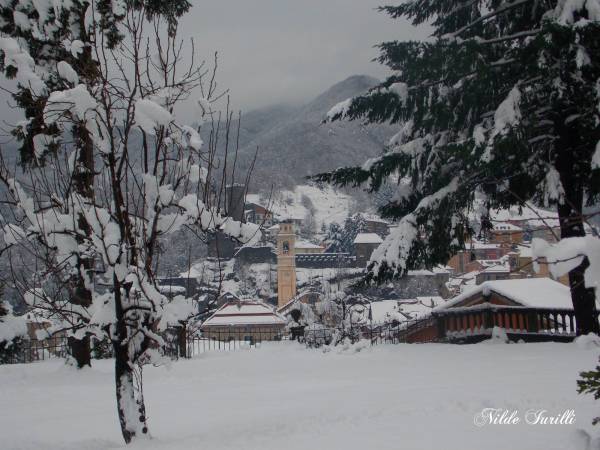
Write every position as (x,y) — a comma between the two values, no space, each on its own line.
(286,263)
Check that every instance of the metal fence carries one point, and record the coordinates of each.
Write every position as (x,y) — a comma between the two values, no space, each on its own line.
(394,332)
(24,351)
(182,343)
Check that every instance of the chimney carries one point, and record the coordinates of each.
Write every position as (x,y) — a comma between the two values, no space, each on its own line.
(234,201)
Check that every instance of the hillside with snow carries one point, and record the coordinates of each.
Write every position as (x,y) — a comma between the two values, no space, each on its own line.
(322,205)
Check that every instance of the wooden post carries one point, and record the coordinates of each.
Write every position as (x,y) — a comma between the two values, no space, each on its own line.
(488,319)
(532,323)
(440,322)
(182,340)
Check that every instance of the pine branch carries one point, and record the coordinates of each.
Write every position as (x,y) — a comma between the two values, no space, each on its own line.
(502,9)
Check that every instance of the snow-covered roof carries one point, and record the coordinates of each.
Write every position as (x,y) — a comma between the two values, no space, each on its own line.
(476,245)
(463,282)
(374,218)
(501,268)
(284,309)
(455,281)
(506,226)
(368,238)
(467,276)
(436,299)
(244,312)
(534,292)
(529,214)
(254,198)
(490,262)
(429,273)
(497,268)
(385,310)
(306,244)
(403,309)
(208,269)
(170,289)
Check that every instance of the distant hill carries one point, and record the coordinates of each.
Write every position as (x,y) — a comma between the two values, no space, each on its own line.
(293,143)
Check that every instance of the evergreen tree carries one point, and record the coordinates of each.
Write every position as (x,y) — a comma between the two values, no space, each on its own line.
(589,383)
(503,104)
(352,226)
(333,237)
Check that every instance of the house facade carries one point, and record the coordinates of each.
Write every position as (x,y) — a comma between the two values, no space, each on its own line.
(506,233)
(364,246)
(376,225)
(259,214)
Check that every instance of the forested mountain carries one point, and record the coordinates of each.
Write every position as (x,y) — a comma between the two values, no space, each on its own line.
(293,143)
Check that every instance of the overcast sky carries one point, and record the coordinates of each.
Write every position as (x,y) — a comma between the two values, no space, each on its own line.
(284,51)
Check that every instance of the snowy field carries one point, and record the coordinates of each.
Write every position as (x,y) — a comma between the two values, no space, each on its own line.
(284,397)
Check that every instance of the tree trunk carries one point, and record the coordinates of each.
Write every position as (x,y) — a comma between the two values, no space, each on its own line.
(570,215)
(83,180)
(130,405)
(584,299)
(130,400)
(81,351)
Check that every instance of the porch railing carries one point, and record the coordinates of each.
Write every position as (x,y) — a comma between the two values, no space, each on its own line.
(524,322)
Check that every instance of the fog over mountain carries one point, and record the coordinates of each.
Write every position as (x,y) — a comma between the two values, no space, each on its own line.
(292,142)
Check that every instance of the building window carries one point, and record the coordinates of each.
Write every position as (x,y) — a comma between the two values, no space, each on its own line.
(286,247)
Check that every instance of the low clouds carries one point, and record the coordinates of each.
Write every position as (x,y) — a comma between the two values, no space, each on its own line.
(284,51)
(281,51)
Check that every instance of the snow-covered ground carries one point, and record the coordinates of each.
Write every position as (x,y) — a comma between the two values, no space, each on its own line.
(283,396)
